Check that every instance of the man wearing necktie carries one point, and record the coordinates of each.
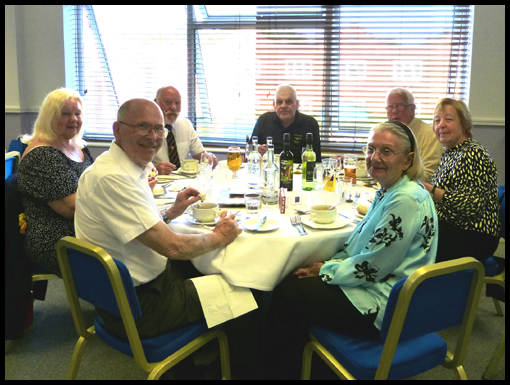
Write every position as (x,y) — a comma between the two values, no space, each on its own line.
(182,139)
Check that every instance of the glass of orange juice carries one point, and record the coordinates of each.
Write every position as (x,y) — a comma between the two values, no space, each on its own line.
(234,160)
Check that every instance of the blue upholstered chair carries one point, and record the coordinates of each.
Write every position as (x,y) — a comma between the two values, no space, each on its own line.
(493,277)
(433,298)
(11,163)
(491,265)
(92,275)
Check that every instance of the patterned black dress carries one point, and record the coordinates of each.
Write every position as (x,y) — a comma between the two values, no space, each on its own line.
(469,223)
(45,175)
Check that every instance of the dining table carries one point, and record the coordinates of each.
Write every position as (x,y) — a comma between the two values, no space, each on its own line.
(259,259)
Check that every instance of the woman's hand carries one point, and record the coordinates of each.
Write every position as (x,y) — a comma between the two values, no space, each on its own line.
(312,270)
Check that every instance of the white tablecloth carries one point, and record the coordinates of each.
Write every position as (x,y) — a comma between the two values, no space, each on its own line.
(260,260)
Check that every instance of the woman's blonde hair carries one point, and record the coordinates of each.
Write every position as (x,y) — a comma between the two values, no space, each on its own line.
(415,171)
(45,126)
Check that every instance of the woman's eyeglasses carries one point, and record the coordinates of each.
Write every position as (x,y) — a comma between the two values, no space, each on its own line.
(384,152)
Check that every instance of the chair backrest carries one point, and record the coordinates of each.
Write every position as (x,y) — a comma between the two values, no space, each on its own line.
(18,145)
(501,199)
(97,278)
(433,298)
(11,163)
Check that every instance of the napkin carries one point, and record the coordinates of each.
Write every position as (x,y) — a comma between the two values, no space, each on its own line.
(220,300)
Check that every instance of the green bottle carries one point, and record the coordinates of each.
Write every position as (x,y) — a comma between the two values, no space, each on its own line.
(286,164)
(308,165)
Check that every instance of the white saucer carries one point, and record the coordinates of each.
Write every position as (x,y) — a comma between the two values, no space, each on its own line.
(338,223)
(192,220)
(269,224)
(181,171)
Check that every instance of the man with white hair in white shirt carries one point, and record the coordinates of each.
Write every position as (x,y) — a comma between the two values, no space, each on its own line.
(182,138)
(400,106)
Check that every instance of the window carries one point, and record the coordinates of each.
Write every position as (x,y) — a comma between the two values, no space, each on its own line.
(227,61)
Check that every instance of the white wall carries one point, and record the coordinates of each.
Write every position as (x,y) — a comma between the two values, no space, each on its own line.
(34,66)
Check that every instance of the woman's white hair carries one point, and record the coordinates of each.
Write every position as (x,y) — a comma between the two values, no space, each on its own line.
(415,171)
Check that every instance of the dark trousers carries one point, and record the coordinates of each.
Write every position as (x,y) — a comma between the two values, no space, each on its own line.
(455,242)
(297,303)
(168,302)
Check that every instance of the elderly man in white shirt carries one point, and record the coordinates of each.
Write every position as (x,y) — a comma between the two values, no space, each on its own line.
(115,209)
(186,138)
(400,107)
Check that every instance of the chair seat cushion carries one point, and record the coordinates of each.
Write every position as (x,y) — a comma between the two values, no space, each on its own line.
(158,348)
(491,267)
(360,355)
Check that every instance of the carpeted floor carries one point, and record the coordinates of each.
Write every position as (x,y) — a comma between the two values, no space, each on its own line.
(45,351)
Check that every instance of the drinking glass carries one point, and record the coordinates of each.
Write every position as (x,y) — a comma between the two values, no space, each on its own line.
(350,166)
(319,176)
(207,158)
(234,160)
(252,202)
(347,187)
(204,174)
(329,165)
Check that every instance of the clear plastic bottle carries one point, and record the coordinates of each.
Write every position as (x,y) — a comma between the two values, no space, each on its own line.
(254,163)
(269,180)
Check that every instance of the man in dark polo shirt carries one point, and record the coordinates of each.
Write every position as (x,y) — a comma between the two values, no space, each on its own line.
(287,119)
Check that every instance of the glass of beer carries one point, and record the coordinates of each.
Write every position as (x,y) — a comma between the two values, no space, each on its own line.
(350,166)
(234,160)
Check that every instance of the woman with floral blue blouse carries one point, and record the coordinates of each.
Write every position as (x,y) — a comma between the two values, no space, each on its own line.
(349,292)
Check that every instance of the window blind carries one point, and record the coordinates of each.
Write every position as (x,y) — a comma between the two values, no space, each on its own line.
(228,61)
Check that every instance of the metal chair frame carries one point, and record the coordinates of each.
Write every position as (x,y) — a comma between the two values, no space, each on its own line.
(155,369)
(453,361)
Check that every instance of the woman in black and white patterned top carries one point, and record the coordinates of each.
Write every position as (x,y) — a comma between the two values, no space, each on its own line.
(48,175)
(464,187)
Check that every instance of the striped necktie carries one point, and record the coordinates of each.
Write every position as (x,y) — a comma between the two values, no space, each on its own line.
(173,156)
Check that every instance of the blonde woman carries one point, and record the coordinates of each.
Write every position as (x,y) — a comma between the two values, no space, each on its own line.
(48,175)
(464,187)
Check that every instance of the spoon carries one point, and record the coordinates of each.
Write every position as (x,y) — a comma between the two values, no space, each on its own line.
(332,207)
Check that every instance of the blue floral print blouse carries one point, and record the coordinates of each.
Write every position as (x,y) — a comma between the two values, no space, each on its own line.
(397,236)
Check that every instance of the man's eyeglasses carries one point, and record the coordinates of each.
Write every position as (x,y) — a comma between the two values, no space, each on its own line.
(384,153)
(398,106)
(144,129)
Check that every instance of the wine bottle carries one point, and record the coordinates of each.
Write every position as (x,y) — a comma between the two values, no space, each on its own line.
(308,165)
(286,164)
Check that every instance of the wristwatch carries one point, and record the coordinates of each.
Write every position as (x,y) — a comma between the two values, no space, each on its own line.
(164,216)
(433,191)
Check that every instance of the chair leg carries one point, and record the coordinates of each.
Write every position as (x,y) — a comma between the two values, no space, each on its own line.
(499,311)
(307,362)
(224,356)
(460,373)
(493,363)
(76,359)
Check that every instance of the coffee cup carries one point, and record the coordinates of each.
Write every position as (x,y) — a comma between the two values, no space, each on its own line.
(320,213)
(205,211)
(189,165)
